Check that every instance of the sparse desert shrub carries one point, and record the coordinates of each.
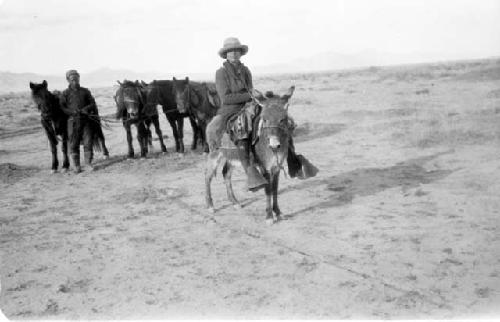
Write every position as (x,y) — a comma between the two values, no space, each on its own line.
(494,93)
(455,130)
(331,88)
(422,91)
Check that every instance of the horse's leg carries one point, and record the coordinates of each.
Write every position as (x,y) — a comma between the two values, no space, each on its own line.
(173,124)
(51,136)
(227,171)
(180,124)
(142,138)
(156,123)
(194,126)
(149,135)
(53,149)
(128,129)
(268,190)
(213,160)
(65,150)
(203,135)
(274,187)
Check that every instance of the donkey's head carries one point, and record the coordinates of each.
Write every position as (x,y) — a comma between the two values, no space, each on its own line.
(274,122)
(42,97)
(130,98)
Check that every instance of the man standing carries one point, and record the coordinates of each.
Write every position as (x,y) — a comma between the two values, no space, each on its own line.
(78,103)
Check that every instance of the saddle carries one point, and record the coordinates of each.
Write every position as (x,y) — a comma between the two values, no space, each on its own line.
(243,125)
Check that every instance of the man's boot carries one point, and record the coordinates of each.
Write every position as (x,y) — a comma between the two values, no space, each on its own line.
(255,180)
(76,162)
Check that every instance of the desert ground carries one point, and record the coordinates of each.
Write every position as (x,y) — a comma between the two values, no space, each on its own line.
(403,220)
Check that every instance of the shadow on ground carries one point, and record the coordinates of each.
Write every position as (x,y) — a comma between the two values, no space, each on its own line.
(312,131)
(345,187)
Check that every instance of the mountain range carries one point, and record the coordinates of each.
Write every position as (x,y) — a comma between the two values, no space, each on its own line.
(19,82)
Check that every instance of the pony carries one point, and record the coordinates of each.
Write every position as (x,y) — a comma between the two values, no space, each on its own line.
(271,138)
(201,101)
(162,92)
(54,121)
(130,99)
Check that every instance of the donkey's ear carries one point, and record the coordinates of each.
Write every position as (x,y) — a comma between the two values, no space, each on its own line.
(44,83)
(143,83)
(119,83)
(187,80)
(175,79)
(32,85)
(289,93)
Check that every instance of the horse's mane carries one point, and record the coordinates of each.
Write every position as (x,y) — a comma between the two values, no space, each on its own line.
(161,82)
(129,83)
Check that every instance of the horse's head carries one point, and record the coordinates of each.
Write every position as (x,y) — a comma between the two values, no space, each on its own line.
(41,96)
(130,98)
(274,122)
(151,92)
(182,93)
(212,96)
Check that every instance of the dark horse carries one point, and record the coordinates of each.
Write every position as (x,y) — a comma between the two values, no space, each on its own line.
(270,150)
(162,92)
(201,101)
(131,106)
(54,121)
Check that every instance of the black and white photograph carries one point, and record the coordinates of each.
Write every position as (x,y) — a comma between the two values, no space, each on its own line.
(243,160)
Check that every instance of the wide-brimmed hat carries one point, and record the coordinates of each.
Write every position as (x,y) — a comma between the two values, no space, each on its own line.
(71,72)
(232,43)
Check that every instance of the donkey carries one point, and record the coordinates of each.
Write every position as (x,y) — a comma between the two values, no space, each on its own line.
(54,121)
(161,92)
(271,139)
(130,99)
(201,101)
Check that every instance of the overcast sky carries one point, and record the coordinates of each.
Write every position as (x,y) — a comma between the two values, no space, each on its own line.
(51,36)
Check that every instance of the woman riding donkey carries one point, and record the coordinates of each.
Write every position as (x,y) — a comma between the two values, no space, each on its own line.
(234,86)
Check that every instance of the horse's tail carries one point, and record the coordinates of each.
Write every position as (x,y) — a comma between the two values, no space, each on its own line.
(97,135)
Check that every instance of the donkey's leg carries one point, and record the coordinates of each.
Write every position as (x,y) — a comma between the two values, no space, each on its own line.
(65,151)
(268,190)
(156,123)
(227,171)
(129,139)
(173,124)
(213,160)
(274,187)
(196,133)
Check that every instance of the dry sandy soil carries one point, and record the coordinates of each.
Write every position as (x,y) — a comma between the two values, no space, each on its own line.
(401,222)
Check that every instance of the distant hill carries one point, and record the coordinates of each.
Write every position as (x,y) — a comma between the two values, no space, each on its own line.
(19,82)
(333,61)
(328,61)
